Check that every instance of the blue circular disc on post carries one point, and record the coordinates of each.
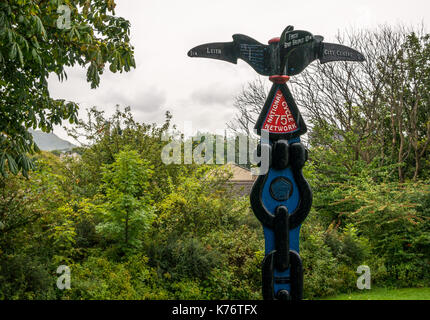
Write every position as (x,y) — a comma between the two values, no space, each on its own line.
(281,189)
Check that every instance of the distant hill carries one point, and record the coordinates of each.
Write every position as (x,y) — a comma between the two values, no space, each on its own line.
(50,141)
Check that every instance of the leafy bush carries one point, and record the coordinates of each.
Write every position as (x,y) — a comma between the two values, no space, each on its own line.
(99,278)
(331,257)
(25,277)
(348,248)
(183,258)
(321,269)
(396,220)
(126,212)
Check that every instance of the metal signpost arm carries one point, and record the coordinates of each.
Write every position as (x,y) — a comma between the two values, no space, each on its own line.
(282,198)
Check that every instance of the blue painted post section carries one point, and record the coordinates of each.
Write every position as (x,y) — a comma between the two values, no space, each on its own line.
(271,205)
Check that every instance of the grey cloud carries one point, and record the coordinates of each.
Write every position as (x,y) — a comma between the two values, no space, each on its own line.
(214,94)
(150,100)
(147,100)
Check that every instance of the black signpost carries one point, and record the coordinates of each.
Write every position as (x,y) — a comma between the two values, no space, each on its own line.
(281,199)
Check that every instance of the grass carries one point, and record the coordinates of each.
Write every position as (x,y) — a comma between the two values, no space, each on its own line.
(385,294)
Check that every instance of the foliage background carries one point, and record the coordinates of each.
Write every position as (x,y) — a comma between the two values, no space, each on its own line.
(191,236)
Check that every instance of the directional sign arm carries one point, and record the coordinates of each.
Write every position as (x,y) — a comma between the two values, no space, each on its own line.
(243,47)
(298,49)
(225,51)
(337,52)
(253,52)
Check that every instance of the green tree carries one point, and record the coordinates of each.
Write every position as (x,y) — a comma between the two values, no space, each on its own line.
(38,38)
(103,137)
(407,78)
(33,230)
(127,211)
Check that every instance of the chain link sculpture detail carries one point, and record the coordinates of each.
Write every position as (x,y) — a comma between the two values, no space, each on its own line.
(282,198)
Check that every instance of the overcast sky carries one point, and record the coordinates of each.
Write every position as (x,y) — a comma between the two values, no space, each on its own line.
(203,90)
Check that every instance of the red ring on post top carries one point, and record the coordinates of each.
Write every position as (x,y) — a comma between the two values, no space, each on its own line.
(274,40)
(279,79)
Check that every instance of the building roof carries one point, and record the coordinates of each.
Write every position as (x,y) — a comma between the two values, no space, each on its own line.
(242,179)
(240,174)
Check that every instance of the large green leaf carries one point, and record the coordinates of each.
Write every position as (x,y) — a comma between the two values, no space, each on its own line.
(32,48)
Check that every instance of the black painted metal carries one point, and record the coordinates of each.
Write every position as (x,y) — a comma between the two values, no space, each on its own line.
(280,155)
(282,238)
(297,50)
(295,280)
(298,156)
(281,189)
(257,55)
(296,275)
(289,55)
(267,270)
(335,52)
